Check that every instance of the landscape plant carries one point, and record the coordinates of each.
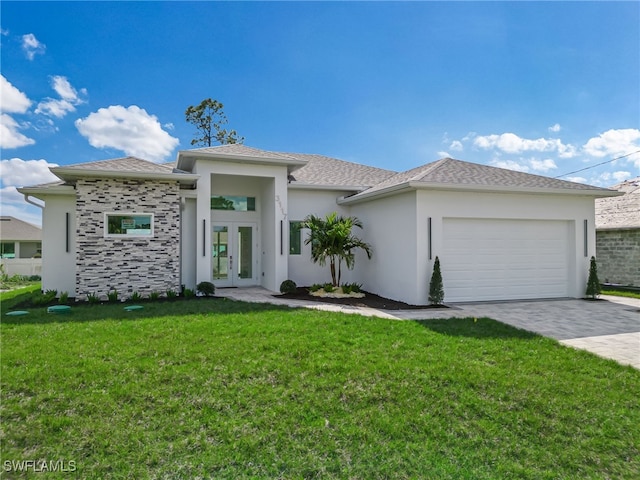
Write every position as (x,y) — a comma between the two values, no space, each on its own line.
(63,299)
(593,283)
(332,240)
(113,296)
(206,288)
(288,286)
(436,288)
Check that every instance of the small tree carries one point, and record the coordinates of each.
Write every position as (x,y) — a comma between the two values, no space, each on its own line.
(436,289)
(208,118)
(593,284)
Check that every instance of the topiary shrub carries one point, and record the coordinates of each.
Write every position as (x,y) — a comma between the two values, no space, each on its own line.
(436,289)
(288,286)
(593,284)
(206,288)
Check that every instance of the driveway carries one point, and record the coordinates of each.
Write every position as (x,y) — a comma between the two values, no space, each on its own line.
(609,327)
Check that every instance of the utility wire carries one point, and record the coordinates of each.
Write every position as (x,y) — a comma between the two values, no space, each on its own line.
(597,165)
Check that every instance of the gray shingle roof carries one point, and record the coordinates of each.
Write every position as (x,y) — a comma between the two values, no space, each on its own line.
(237,149)
(125,164)
(321,170)
(620,212)
(448,171)
(12,228)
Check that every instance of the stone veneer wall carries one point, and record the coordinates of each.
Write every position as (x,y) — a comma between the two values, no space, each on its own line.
(127,264)
(618,256)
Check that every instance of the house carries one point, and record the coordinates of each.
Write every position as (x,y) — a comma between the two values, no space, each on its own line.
(20,247)
(618,235)
(229,214)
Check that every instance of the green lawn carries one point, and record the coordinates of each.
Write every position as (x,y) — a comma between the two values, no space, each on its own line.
(223,389)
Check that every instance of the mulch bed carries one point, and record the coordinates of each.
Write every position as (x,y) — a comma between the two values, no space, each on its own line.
(370,300)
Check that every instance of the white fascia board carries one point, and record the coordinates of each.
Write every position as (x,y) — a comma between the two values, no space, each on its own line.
(74,174)
(599,193)
(185,155)
(383,192)
(52,190)
(311,186)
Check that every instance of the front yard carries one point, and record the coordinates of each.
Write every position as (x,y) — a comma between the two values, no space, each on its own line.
(222,389)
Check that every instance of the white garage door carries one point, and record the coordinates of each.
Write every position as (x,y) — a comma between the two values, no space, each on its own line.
(489,259)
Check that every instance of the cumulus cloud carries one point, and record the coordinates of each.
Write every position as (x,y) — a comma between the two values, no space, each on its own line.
(576,179)
(555,128)
(12,100)
(620,176)
(32,46)
(18,173)
(510,165)
(613,143)
(10,137)
(512,143)
(543,165)
(129,129)
(69,98)
(456,146)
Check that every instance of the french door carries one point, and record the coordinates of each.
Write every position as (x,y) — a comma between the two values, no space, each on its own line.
(235,254)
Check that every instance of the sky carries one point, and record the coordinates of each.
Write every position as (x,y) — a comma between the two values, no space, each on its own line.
(548,88)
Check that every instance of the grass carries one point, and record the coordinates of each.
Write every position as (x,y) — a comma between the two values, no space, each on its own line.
(11,298)
(222,389)
(620,293)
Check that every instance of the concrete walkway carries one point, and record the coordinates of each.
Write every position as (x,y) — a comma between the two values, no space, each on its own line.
(609,327)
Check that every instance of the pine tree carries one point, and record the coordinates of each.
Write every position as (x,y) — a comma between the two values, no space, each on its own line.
(436,289)
(593,284)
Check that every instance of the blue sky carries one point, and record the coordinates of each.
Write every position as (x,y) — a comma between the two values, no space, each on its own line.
(542,87)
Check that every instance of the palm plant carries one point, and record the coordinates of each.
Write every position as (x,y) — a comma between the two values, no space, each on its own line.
(331,239)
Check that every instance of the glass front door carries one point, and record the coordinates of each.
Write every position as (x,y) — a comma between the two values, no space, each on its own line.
(234,254)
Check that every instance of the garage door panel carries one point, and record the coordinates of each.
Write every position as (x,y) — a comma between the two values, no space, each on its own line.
(491,259)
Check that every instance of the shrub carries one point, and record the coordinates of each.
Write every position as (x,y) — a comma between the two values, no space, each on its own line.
(63,299)
(135,296)
(436,289)
(171,295)
(315,287)
(328,287)
(593,284)
(113,296)
(206,288)
(93,298)
(348,288)
(154,295)
(45,298)
(188,293)
(288,286)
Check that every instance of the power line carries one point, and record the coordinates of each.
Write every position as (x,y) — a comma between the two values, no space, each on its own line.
(597,165)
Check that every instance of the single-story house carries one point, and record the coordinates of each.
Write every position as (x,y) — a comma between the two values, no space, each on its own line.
(229,215)
(618,235)
(20,247)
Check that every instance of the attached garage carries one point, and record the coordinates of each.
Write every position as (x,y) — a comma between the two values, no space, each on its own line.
(505,259)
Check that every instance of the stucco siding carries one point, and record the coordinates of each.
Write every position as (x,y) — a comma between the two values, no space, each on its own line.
(59,244)
(127,264)
(618,256)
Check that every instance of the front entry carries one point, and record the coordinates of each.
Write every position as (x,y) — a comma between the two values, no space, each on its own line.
(235,254)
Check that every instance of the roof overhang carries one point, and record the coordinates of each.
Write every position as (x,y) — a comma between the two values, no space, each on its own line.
(53,189)
(187,159)
(73,174)
(413,185)
(340,188)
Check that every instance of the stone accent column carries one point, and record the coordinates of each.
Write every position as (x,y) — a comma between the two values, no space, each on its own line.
(128,265)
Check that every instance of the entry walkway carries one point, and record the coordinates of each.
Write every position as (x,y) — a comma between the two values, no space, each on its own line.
(609,327)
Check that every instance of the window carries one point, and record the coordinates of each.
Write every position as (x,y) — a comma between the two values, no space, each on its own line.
(295,238)
(128,224)
(7,250)
(230,202)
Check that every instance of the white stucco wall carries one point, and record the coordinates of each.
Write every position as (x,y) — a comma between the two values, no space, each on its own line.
(58,264)
(188,243)
(303,202)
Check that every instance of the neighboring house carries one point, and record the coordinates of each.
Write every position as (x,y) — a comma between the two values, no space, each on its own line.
(230,214)
(20,247)
(618,235)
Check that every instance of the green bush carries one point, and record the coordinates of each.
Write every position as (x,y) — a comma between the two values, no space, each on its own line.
(348,288)
(171,295)
(328,287)
(206,288)
(93,298)
(593,284)
(63,299)
(288,286)
(135,297)
(113,296)
(154,295)
(315,287)
(188,293)
(436,288)
(45,298)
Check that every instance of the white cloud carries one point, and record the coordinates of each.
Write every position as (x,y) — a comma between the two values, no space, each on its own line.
(10,137)
(543,165)
(575,179)
(18,173)
(512,143)
(32,46)
(510,165)
(620,176)
(442,154)
(130,129)
(69,98)
(614,143)
(555,128)
(456,146)
(12,100)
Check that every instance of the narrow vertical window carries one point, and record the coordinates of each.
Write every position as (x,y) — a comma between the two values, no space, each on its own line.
(295,238)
